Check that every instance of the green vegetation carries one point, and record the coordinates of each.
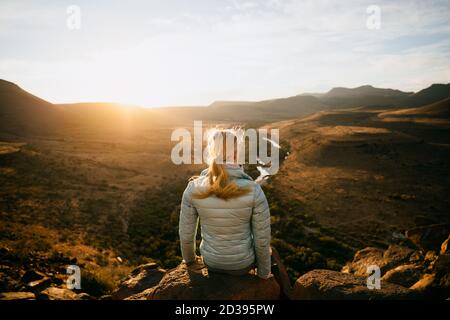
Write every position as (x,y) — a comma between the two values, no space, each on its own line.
(94,284)
(81,209)
(302,244)
(153,224)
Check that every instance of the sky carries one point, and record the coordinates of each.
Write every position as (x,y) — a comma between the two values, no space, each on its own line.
(193,52)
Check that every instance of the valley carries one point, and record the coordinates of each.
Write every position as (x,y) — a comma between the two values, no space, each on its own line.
(96,185)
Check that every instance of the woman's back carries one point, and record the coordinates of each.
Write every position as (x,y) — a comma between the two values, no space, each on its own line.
(235,232)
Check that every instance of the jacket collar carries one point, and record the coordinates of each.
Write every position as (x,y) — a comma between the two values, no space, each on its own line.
(235,172)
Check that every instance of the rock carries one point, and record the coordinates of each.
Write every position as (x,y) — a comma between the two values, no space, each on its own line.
(54,293)
(32,275)
(17,296)
(84,296)
(436,283)
(396,253)
(327,284)
(40,284)
(425,282)
(194,282)
(416,257)
(404,275)
(433,286)
(444,284)
(441,265)
(144,295)
(362,259)
(394,256)
(429,237)
(430,256)
(445,246)
(4,250)
(7,283)
(141,278)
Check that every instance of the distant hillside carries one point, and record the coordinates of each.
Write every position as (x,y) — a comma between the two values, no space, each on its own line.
(363,96)
(364,175)
(268,110)
(434,93)
(440,109)
(366,90)
(226,103)
(22,112)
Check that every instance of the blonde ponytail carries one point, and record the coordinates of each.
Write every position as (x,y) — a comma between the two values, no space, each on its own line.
(219,183)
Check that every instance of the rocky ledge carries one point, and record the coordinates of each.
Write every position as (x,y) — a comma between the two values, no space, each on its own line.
(195,282)
(416,268)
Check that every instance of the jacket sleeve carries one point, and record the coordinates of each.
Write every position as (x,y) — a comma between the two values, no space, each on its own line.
(261,233)
(188,226)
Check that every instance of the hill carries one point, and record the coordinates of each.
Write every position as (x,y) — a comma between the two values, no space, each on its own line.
(363,96)
(363,179)
(22,112)
(434,93)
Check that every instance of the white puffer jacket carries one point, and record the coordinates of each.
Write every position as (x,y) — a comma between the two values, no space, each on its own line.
(235,232)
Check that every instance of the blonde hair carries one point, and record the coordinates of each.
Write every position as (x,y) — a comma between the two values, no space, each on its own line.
(219,183)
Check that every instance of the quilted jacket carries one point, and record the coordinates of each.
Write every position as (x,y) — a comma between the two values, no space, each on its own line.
(235,232)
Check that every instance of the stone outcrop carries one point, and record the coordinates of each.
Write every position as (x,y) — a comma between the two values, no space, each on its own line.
(38,276)
(333,285)
(424,270)
(435,282)
(405,275)
(195,282)
(54,293)
(386,260)
(17,296)
(143,277)
(430,237)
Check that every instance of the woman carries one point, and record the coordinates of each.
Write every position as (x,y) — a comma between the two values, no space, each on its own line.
(233,213)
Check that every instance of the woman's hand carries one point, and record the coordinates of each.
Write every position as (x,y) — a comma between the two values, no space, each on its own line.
(197,259)
(270,275)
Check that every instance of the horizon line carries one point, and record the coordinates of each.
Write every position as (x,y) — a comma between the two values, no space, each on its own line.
(132,105)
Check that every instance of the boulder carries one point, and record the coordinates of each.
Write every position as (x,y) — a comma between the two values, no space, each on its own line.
(17,296)
(441,265)
(430,256)
(140,279)
(435,284)
(333,285)
(426,280)
(195,282)
(39,284)
(445,246)
(32,275)
(362,259)
(429,237)
(84,296)
(54,293)
(386,260)
(404,275)
(396,255)
(144,295)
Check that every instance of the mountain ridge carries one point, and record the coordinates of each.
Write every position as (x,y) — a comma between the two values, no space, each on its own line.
(22,112)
